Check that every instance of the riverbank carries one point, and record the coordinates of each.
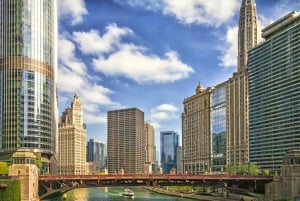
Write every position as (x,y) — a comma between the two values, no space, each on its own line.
(190,195)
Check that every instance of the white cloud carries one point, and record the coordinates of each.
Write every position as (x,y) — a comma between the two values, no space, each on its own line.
(72,9)
(210,12)
(164,112)
(66,55)
(131,61)
(73,77)
(229,51)
(92,43)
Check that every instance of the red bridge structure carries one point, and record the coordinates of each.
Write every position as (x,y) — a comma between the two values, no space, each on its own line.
(54,184)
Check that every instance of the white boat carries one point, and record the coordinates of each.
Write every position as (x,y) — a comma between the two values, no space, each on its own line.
(128,192)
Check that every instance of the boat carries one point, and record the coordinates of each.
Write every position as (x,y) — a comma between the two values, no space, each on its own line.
(128,192)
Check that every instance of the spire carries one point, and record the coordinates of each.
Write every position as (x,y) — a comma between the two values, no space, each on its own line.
(247,33)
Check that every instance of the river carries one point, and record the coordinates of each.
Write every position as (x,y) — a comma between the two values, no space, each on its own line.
(115,194)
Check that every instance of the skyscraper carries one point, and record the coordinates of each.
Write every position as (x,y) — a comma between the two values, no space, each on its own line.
(126,141)
(247,33)
(196,133)
(72,140)
(168,150)
(97,153)
(218,127)
(274,93)
(28,105)
(237,131)
(150,143)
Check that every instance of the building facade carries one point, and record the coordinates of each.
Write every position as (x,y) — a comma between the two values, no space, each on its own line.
(72,140)
(196,133)
(150,143)
(218,128)
(126,141)
(28,100)
(237,130)
(168,148)
(274,93)
(97,153)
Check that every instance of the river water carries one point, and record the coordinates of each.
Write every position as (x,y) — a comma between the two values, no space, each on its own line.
(115,194)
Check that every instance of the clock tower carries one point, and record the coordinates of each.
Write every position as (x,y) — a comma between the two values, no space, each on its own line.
(72,140)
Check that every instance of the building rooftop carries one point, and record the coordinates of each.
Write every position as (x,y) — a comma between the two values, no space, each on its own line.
(275,26)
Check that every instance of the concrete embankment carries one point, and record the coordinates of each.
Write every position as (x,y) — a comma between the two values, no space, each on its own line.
(190,196)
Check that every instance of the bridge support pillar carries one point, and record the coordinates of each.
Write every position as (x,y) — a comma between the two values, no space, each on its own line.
(23,166)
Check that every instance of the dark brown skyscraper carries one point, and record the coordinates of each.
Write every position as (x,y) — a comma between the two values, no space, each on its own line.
(126,141)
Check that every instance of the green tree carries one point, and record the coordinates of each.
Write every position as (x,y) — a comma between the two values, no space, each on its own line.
(4,168)
(267,172)
(254,169)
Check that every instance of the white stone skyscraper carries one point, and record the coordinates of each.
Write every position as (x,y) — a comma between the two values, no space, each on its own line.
(72,140)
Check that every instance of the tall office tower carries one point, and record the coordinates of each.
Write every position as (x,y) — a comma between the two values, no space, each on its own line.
(218,127)
(28,101)
(237,131)
(97,153)
(274,93)
(196,134)
(72,140)
(247,33)
(168,147)
(126,141)
(150,143)
(179,166)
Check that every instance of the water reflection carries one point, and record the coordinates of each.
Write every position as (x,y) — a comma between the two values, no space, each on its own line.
(115,194)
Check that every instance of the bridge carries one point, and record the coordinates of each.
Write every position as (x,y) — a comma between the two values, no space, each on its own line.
(54,184)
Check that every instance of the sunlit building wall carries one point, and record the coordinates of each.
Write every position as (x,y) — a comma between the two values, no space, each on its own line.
(168,149)
(196,133)
(28,100)
(150,143)
(126,141)
(274,93)
(72,140)
(218,128)
(237,129)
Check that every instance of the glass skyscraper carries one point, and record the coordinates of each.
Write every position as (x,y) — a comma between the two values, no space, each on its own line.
(28,101)
(274,93)
(218,128)
(168,147)
(97,153)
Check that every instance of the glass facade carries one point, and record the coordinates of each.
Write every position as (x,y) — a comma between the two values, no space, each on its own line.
(274,94)
(27,76)
(168,146)
(218,128)
(96,152)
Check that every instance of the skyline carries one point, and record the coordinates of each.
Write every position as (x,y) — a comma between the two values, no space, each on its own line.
(95,36)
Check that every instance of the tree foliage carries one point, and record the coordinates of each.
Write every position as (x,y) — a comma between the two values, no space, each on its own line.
(4,168)
(241,169)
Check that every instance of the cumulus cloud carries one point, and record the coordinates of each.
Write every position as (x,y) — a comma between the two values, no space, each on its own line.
(113,57)
(93,43)
(164,112)
(67,56)
(229,50)
(74,10)
(131,61)
(212,12)
(73,77)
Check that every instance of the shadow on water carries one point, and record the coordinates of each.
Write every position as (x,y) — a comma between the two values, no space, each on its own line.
(114,194)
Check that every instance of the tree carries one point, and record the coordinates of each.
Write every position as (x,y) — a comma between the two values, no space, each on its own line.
(4,168)
(253,169)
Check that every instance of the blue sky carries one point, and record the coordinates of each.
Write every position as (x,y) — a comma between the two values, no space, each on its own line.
(149,54)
